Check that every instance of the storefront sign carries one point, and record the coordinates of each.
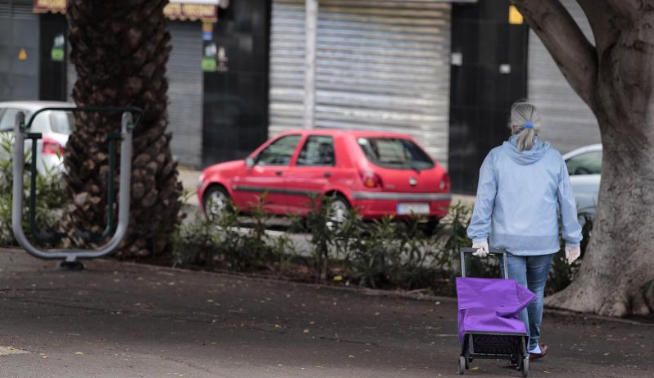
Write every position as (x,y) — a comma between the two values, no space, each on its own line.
(207,31)
(191,12)
(515,17)
(22,55)
(53,6)
(58,45)
(222,60)
(209,58)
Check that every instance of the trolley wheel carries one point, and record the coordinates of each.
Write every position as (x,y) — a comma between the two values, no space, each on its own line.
(462,365)
(517,362)
(524,367)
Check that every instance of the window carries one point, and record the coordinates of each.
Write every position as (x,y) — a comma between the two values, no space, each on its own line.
(279,152)
(395,153)
(588,163)
(61,122)
(318,151)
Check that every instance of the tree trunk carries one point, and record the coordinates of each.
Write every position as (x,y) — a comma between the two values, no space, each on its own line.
(619,262)
(618,268)
(615,77)
(120,50)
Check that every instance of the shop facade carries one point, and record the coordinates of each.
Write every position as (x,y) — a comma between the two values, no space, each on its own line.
(382,65)
(210,106)
(444,71)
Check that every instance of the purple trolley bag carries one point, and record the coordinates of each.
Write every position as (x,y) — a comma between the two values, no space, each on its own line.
(488,317)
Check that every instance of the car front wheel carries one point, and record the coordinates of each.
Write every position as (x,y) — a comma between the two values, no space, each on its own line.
(216,202)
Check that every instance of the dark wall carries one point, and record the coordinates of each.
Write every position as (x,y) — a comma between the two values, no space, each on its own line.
(19,79)
(236,101)
(481,96)
(52,85)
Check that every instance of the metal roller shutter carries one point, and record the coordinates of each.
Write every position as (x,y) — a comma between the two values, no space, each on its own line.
(568,122)
(19,80)
(381,65)
(185,92)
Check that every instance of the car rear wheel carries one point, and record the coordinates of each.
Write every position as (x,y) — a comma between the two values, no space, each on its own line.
(216,202)
(338,211)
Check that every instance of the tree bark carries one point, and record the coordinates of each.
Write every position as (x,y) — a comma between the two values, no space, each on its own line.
(120,50)
(618,269)
(619,263)
(570,49)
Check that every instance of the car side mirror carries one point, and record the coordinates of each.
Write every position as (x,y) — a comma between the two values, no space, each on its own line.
(249,162)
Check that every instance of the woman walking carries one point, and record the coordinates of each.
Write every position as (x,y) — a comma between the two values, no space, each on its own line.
(523,188)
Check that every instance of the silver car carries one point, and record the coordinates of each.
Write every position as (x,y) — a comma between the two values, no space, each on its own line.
(585,168)
(55,127)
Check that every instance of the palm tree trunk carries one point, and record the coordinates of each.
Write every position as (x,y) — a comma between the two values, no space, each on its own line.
(120,50)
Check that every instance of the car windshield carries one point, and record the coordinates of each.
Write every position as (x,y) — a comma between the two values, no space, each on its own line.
(62,122)
(395,153)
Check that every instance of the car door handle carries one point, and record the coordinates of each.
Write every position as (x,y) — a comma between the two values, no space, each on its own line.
(279,173)
(327,174)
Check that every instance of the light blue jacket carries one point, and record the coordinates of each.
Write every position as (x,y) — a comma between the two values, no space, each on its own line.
(519,199)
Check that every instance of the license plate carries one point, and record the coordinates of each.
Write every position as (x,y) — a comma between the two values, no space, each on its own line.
(413,208)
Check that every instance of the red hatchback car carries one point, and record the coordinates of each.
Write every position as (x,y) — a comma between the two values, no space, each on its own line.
(377,173)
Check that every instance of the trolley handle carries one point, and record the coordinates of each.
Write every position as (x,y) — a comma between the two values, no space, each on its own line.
(498,253)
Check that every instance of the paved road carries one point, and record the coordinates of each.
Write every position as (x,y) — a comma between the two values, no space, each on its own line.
(127,320)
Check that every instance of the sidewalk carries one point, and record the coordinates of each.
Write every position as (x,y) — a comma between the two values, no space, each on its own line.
(189,178)
(129,320)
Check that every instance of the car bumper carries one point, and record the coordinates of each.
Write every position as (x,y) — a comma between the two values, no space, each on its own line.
(373,205)
(50,165)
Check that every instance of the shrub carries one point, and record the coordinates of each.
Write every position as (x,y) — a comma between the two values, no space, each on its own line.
(50,199)
(224,244)
(384,253)
(194,243)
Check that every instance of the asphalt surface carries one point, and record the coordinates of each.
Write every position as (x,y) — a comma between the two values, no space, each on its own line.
(128,320)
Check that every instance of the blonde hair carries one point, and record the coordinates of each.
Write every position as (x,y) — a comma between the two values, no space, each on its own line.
(525,123)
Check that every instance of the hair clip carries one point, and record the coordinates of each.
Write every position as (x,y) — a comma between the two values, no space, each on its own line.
(528,125)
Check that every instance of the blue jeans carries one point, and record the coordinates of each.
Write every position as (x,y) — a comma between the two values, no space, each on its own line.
(531,272)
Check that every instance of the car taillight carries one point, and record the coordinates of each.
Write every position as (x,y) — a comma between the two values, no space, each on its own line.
(444,185)
(52,147)
(371,180)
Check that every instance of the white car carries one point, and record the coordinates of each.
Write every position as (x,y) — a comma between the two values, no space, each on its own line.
(55,127)
(585,168)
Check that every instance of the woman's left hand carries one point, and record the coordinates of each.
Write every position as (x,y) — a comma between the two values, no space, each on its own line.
(572,253)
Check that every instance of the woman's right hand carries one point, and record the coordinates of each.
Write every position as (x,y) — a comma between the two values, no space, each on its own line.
(572,253)
(481,248)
